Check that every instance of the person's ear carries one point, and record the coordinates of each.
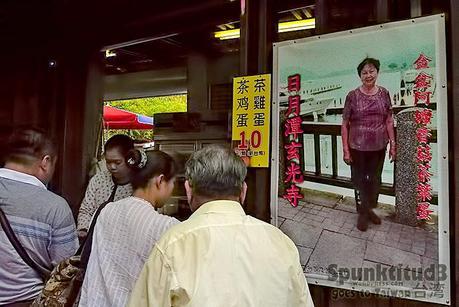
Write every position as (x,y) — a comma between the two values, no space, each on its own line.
(188,190)
(243,193)
(46,162)
(159,180)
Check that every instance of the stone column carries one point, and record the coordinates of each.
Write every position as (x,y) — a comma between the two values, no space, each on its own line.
(406,179)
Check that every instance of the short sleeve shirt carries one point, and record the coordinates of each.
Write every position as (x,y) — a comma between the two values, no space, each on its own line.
(367,115)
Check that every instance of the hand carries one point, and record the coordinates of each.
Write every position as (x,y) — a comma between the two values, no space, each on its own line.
(82,233)
(392,152)
(347,157)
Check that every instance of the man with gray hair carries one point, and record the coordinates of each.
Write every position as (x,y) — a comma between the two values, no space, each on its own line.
(220,256)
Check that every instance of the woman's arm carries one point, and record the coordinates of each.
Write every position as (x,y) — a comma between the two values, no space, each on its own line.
(345,140)
(390,129)
(347,111)
(391,134)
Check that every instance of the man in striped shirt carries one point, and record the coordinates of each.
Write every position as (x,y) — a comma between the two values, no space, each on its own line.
(41,220)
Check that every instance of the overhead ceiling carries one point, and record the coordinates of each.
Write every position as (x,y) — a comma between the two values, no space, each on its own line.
(101,21)
(198,37)
(183,26)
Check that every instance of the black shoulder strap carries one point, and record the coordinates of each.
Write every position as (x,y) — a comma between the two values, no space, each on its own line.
(85,248)
(44,274)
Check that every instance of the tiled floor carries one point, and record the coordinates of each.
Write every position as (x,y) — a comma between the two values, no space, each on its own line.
(327,234)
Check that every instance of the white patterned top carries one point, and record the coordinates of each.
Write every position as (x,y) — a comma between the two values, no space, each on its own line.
(124,236)
(99,189)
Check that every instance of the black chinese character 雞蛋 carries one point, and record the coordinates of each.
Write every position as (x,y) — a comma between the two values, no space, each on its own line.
(259,119)
(259,102)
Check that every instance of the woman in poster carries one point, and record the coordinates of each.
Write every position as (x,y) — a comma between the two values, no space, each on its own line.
(366,129)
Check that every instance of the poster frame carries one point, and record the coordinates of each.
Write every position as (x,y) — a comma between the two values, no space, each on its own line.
(442,139)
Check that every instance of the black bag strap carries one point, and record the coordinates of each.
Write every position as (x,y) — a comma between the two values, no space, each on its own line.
(85,249)
(44,274)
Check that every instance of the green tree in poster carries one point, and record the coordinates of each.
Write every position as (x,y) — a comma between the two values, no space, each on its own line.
(148,106)
(393,66)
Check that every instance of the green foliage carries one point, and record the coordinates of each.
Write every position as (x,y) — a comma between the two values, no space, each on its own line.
(146,106)
(393,66)
(138,135)
(152,105)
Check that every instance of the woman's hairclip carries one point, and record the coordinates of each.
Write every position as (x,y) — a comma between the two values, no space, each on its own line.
(142,162)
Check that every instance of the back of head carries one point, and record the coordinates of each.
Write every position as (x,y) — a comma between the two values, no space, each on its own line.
(26,146)
(215,172)
(120,141)
(147,165)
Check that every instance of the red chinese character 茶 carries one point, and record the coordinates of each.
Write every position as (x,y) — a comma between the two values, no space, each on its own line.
(423,117)
(293,173)
(421,97)
(423,173)
(423,134)
(292,150)
(293,105)
(424,192)
(422,61)
(424,154)
(422,81)
(294,83)
(293,195)
(293,127)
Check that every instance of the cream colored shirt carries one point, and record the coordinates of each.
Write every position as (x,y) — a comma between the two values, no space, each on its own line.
(222,257)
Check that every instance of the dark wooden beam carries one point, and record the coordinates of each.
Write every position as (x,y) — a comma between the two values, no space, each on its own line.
(322,12)
(257,30)
(79,115)
(184,20)
(382,11)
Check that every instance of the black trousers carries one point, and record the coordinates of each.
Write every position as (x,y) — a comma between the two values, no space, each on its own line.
(366,169)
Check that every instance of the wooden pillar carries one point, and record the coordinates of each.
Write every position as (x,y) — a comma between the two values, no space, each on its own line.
(60,91)
(416,8)
(80,116)
(322,13)
(382,11)
(454,120)
(257,30)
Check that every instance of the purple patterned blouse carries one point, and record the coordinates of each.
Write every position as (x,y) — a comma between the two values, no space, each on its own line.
(367,116)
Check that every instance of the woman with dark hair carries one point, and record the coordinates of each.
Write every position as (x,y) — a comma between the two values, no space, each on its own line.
(367,128)
(127,230)
(114,180)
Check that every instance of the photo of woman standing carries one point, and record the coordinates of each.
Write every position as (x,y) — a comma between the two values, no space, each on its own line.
(366,129)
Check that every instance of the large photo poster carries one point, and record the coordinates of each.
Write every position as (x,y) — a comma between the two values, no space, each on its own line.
(360,142)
